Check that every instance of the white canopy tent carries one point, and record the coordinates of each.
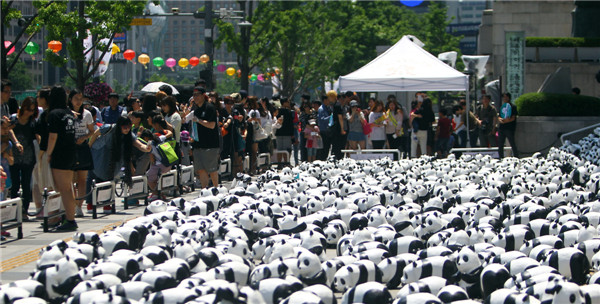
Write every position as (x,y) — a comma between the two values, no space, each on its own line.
(404,67)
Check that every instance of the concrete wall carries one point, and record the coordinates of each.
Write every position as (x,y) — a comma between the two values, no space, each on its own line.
(582,75)
(535,133)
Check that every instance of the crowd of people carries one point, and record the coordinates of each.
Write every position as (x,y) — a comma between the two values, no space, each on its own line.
(63,140)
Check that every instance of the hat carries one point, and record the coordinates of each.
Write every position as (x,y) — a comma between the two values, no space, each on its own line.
(353,103)
(236,96)
(113,95)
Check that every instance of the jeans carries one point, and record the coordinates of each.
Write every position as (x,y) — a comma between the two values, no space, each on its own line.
(504,134)
(337,145)
(462,138)
(21,178)
(324,152)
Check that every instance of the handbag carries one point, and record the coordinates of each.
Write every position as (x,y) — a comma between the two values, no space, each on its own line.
(366,128)
(259,132)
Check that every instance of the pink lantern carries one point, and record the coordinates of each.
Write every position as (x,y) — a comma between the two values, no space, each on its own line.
(171,62)
(6,45)
(221,68)
(260,77)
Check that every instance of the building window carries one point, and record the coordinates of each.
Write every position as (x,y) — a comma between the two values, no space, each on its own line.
(193,22)
(175,35)
(183,36)
(175,22)
(184,43)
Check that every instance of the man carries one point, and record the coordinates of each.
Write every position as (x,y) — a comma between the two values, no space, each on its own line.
(487,118)
(339,130)
(206,138)
(111,113)
(508,124)
(323,121)
(284,135)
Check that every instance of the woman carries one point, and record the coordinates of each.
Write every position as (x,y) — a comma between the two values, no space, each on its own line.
(23,165)
(306,115)
(356,136)
(41,171)
(376,119)
(254,127)
(429,117)
(173,119)
(84,129)
(62,152)
(266,121)
(226,122)
(393,125)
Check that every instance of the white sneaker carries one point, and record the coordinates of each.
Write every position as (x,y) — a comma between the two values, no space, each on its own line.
(78,212)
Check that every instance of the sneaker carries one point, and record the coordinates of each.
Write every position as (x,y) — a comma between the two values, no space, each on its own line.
(67,226)
(107,210)
(5,233)
(78,212)
(89,209)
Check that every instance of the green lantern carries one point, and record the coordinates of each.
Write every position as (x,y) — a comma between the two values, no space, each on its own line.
(158,62)
(32,48)
(253,77)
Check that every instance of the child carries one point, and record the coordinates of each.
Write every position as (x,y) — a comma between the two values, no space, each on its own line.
(442,133)
(313,140)
(156,167)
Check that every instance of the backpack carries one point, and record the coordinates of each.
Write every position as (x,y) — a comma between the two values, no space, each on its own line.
(102,151)
(166,150)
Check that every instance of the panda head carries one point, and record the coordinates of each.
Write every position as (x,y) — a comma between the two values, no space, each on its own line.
(467,261)
(309,265)
(345,278)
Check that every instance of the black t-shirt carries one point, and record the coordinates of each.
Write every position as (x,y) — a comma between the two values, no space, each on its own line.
(41,128)
(287,127)
(62,122)
(207,138)
(338,110)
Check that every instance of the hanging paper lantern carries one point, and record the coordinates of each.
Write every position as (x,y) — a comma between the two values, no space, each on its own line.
(260,77)
(277,71)
(54,45)
(194,61)
(253,77)
(129,55)
(144,59)
(215,63)
(158,62)
(221,68)
(6,45)
(239,73)
(171,62)
(183,62)
(204,58)
(32,48)
(230,71)
(114,49)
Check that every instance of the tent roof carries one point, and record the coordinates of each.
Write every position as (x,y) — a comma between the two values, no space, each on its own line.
(404,67)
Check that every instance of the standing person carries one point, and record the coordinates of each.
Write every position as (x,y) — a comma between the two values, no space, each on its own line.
(428,119)
(324,122)
(393,124)
(339,130)
(84,129)
(173,119)
(306,115)
(254,124)
(61,151)
(442,133)
(356,137)
(376,119)
(284,135)
(487,116)
(113,111)
(41,171)
(5,112)
(313,140)
(206,139)
(508,125)
(473,124)
(419,133)
(266,121)
(22,168)
(459,126)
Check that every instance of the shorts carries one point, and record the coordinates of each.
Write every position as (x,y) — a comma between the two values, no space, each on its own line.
(284,143)
(206,159)
(63,160)
(311,151)
(154,171)
(357,136)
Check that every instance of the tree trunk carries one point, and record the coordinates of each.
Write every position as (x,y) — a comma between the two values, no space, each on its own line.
(3,62)
(80,63)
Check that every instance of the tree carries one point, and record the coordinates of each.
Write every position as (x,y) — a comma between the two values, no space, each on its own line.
(98,19)
(20,76)
(28,27)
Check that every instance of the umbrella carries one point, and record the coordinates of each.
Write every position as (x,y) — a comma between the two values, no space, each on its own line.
(153,87)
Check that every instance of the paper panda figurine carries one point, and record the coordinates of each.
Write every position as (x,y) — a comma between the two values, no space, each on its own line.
(367,293)
(159,280)
(172,295)
(132,290)
(323,292)
(34,288)
(469,266)
(275,290)
(452,293)
(492,278)
(570,262)
(334,231)
(433,266)
(359,272)
(302,297)
(310,271)
(392,268)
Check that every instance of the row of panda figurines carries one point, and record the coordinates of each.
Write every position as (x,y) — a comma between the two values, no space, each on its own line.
(204,250)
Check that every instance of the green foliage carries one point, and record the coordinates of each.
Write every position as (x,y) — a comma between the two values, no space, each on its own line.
(547,104)
(122,88)
(20,76)
(316,41)
(228,85)
(561,42)
(161,77)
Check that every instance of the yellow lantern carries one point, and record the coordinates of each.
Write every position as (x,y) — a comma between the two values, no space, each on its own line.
(114,49)
(230,71)
(144,59)
(184,62)
(204,58)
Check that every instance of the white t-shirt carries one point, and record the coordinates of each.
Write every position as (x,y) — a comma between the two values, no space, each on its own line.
(378,132)
(457,119)
(175,121)
(81,125)
(266,122)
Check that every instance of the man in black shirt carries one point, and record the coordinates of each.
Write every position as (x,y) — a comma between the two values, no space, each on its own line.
(206,139)
(284,135)
(340,125)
